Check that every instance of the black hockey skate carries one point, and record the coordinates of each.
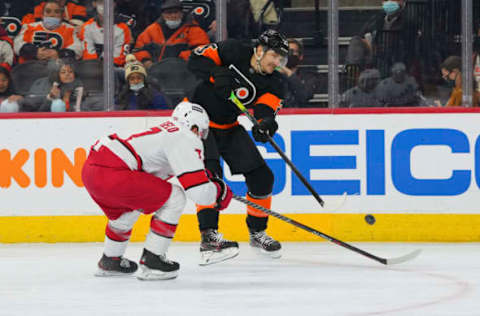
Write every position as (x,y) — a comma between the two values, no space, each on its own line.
(157,267)
(266,244)
(115,266)
(214,248)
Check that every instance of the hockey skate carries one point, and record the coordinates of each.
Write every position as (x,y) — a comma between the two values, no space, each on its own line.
(265,244)
(115,266)
(157,267)
(215,249)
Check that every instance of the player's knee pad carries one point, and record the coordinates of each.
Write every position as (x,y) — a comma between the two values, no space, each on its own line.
(171,211)
(124,222)
(260,181)
(120,229)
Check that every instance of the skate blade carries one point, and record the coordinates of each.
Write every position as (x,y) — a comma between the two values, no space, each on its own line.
(211,257)
(147,274)
(115,274)
(271,254)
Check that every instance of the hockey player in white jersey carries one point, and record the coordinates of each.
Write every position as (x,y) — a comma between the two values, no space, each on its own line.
(126,175)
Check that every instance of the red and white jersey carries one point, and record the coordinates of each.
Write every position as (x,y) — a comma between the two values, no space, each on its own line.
(166,150)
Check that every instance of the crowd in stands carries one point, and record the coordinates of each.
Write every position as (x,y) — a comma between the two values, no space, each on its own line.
(51,55)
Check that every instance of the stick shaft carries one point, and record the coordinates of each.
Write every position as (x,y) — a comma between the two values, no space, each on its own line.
(309,229)
(242,108)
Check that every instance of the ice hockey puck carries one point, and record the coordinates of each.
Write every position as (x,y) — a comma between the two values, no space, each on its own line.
(369,219)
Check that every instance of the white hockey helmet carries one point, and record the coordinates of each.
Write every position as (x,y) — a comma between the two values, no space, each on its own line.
(189,115)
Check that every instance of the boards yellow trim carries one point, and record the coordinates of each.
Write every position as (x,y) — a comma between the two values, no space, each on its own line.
(347,227)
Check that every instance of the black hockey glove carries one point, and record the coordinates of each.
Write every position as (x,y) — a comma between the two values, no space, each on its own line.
(223,82)
(268,126)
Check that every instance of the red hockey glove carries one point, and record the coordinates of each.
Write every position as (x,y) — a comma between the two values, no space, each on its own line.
(224,193)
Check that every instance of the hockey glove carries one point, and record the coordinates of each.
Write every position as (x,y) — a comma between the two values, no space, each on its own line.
(224,193)
(268,126)
(223,82)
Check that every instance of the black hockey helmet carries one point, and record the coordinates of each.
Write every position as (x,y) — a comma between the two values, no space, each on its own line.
(275,41)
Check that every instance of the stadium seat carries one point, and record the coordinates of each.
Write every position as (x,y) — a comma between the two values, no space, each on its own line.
(173,78)
(24,75)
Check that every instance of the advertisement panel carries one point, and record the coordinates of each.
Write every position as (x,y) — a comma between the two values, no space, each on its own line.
(386,163)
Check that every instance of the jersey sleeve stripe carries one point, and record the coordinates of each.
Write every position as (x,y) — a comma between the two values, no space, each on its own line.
(210,52)
(192,179)
(271,101)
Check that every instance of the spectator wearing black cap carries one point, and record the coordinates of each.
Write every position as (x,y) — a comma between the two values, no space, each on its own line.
(174,34)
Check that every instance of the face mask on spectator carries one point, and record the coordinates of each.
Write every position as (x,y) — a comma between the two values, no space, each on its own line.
(450,82)
(100,9)
(390,7)
(51,22)
(136,87)
(173,24)
(293,61)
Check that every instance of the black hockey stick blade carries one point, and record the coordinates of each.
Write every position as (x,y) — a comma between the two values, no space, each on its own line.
(293,222)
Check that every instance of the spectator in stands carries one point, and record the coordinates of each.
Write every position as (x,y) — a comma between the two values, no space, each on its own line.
(12,12)
(399,89)
(451,70)
(92,36)
(73,13)
(46,39)
(8,99)
(393,36)
(299,85)
(61,91)
(7,56)
(172,35)
(364,94)
(138,94)
(139,11)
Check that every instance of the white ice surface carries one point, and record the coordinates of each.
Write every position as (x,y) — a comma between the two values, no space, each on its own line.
(310,279)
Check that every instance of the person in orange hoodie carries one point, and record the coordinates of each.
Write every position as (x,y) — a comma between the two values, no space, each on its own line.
(172,35)
(47,39)
(73,13)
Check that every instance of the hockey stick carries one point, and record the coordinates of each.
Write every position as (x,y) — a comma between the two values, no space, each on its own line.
(252,119)
(384,261)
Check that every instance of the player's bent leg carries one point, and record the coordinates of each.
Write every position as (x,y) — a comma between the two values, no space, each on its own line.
(154,264)
(213,247)
(257,224)
(117,234)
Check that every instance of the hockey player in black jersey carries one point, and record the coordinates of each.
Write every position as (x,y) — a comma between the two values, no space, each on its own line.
(250,72)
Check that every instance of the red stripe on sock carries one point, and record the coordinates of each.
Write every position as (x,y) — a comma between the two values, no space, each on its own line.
(162,228)
(117,235)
